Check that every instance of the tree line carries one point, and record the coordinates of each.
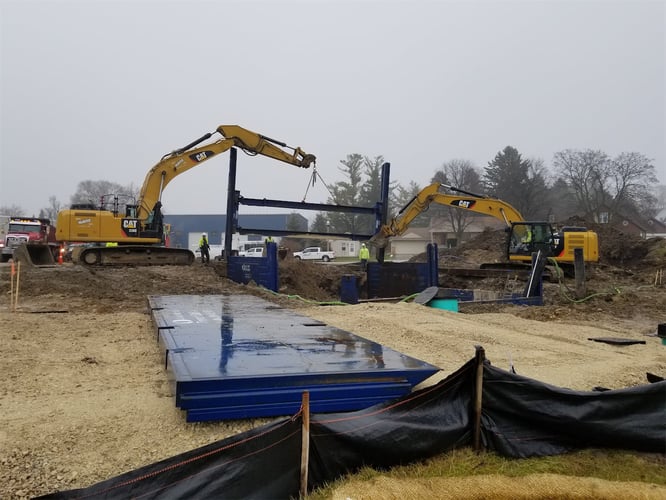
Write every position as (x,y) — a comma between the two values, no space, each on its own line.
(100,194)
(585,183)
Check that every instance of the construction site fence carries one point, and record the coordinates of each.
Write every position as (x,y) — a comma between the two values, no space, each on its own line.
(519,417)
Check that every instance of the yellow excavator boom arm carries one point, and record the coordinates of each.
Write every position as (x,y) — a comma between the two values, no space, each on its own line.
(183,159)
(433,194)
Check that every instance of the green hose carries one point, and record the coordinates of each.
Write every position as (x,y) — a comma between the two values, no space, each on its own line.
(308,301)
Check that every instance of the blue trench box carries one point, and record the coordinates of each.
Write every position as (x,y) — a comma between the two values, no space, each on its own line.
(239,356)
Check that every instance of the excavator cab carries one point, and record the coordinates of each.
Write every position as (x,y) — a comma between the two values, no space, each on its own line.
(526,238)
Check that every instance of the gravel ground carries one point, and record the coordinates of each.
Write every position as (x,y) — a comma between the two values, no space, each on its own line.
(86,398)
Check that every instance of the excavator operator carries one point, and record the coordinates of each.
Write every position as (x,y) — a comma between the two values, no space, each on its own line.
(527,239)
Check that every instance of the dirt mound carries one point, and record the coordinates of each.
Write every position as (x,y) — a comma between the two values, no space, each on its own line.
(129,286)
(616,249)
(314,281)
(635,288)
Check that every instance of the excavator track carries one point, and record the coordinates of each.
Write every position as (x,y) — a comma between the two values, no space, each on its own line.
(136,255)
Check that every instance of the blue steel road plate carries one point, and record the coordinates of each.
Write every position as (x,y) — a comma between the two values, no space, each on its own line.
(239,356)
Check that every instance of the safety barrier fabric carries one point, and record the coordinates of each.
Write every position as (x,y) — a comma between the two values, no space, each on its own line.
(521,417)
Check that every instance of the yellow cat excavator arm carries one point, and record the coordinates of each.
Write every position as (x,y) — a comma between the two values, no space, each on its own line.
(524,237)
(433,194)
(136,236)
(187,157)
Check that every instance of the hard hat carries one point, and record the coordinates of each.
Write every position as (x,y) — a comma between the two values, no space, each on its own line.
(362,244)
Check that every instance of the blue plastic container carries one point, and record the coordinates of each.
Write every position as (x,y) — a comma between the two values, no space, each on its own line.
(447,304)
(349,289)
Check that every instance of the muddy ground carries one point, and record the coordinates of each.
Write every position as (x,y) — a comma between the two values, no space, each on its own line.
(85,395)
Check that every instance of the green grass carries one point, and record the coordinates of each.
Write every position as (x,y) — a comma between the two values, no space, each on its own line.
(611,465)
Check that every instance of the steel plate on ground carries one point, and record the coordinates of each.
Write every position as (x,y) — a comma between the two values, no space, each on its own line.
(234,356)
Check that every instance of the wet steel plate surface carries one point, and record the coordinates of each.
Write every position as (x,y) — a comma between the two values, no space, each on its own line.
(243,357)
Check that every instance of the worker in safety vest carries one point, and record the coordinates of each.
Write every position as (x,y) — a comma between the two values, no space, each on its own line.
(204,247)
(364,255)
(527,239)
(269,239)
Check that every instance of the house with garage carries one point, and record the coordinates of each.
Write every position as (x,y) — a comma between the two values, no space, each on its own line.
(440,232)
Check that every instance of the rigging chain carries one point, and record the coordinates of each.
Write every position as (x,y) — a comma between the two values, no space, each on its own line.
(313,179)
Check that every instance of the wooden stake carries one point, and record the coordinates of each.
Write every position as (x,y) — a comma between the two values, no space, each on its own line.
(305,443)
(11,287)
(18,280)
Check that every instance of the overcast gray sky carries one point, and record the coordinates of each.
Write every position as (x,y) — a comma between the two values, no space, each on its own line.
(100,90)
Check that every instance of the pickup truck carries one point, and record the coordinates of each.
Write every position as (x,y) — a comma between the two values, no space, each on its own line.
(314,253)
(252,252)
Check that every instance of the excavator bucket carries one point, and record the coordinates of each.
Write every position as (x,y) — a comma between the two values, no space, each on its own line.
(378,241)
(34,255)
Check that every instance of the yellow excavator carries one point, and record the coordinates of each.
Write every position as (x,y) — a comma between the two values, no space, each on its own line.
(524,237)
(136,236)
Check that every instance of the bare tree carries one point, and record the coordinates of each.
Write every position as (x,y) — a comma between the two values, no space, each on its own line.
(584,172)
(102,193)
(600,184)
(12,211)
(660,196)
(401,196)
(562,202)
(461,174)
(51,212)
(633,176)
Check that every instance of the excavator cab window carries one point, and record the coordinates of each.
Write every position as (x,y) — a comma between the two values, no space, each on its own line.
(130,211)
(529,237)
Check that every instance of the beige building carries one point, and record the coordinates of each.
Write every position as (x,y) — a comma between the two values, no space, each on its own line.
(345,248)
(415,240)
(412,242)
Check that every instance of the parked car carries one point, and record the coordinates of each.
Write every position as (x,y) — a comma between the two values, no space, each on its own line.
(252,252)
(314,253)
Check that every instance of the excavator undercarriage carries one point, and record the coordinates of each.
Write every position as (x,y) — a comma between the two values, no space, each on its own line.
(135,255)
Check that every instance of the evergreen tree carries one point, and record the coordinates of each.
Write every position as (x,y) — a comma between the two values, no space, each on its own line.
(517,181)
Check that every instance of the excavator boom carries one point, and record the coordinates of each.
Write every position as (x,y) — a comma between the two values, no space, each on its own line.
(181,160)
(433,194)
(137,234)
(524,237)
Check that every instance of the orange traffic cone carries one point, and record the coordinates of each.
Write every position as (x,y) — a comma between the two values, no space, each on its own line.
(61,252)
